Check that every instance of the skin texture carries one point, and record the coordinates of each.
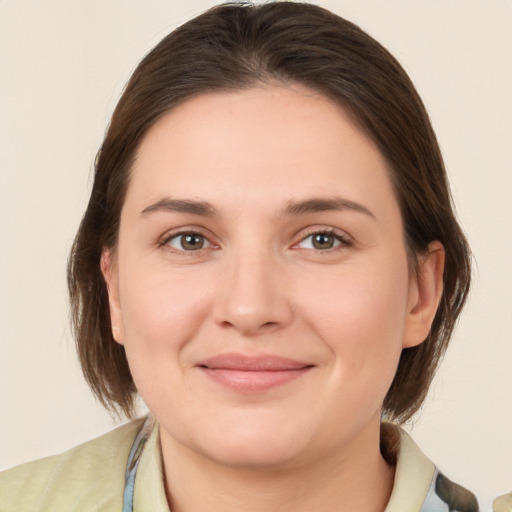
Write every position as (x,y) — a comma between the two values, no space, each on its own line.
(259,285)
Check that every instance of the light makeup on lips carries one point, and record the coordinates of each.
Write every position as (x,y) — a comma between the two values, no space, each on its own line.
(253,374)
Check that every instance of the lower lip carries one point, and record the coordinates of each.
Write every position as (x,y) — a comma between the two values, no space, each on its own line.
(244,381)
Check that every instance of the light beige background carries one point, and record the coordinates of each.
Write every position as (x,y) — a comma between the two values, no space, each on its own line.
(62,66)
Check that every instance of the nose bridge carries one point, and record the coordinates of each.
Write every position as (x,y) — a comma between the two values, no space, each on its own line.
(252,297)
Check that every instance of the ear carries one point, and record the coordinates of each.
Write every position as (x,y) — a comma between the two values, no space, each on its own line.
(425,290)
(110,274)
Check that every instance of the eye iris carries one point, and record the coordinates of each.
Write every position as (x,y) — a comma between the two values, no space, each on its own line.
(323,241)
(192,241)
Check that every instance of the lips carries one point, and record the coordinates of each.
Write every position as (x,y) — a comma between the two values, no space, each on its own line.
(252,374)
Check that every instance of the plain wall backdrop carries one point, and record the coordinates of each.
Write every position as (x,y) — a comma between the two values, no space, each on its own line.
(63,64)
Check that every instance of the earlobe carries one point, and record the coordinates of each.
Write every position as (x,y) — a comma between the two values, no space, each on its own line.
(425,293)
(109,271)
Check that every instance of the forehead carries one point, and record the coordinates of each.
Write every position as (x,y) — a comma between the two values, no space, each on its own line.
(280,142)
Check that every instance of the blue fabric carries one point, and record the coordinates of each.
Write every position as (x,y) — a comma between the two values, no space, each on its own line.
(446,496)
(133,463)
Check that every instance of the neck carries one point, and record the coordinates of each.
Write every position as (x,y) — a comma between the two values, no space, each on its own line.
(357,479)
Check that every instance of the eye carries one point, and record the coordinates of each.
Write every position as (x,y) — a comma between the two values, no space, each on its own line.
(323,240)
(189,241)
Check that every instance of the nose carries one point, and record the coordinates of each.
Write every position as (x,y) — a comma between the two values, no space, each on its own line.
(252,296)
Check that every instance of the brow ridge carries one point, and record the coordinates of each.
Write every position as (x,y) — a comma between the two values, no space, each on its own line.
(192,206)
(292,208)
(321,204)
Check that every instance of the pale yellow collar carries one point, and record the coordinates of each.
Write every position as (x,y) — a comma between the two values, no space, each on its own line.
(413,476)
(149,493)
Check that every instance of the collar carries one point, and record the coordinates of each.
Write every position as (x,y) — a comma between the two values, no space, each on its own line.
(418,485)
(413,476)
(144,481)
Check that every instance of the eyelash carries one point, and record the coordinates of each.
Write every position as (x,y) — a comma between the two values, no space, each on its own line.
(164,242)
(344,240)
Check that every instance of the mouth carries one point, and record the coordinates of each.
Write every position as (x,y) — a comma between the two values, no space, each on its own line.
(253,374)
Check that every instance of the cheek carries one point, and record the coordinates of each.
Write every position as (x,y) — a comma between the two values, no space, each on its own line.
(162,310)
(359,312)
(162,313)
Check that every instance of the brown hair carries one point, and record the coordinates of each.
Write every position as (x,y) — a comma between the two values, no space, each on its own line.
(235,46)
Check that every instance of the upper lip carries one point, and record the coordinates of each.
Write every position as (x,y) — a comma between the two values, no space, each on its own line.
(254,363)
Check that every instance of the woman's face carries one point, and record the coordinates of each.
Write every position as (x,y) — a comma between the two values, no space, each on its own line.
(260,285)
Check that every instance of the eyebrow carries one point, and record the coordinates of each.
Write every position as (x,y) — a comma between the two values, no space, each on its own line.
(195,207)
(320,204)
(293,208)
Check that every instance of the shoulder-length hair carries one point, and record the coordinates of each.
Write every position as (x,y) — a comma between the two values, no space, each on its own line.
(233,47)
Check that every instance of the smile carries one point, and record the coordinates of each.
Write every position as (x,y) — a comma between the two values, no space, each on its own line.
(253,374)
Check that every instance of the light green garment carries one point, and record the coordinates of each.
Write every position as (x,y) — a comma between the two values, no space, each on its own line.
(90,478)
(503,503)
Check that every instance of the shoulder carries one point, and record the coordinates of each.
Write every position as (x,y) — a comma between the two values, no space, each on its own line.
(88,477)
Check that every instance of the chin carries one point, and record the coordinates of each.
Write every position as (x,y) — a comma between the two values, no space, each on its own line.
(254,444)
(254,454)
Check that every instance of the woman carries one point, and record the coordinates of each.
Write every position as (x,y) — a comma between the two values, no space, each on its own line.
(270,258)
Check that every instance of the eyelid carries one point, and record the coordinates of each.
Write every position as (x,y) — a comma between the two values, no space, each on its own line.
(344,239)
(163,241)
